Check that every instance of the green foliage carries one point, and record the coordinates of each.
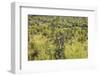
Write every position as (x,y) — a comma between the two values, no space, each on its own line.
(76,50)
(57,37)
(40,48)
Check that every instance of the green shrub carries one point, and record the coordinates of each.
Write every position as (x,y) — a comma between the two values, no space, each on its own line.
(76,50)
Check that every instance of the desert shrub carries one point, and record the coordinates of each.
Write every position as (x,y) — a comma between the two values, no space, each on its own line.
(40,48)
(76,50)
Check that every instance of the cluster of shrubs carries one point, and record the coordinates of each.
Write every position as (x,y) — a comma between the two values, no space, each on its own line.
(57,37)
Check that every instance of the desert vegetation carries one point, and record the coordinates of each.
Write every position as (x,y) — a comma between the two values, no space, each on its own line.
(57,37)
